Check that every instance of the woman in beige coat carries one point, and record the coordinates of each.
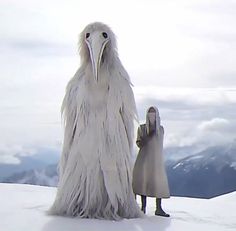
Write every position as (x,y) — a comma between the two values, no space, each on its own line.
(149,174)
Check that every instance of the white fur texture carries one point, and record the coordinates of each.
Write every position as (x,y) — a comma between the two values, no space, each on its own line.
(95,172)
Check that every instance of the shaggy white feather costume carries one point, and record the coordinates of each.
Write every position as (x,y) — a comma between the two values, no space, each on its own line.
(95,174)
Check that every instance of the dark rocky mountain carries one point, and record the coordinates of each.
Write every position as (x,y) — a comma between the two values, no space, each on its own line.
(206,174)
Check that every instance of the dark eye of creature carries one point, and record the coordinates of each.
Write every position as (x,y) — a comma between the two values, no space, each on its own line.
(104,34)
(87,35)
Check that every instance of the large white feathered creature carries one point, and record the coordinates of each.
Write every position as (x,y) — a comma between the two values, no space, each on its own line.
(99,110)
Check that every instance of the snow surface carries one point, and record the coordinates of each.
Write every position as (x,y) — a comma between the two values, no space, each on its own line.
(23,208)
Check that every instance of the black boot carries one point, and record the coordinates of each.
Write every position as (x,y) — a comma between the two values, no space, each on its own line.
(144,201)
(159,211)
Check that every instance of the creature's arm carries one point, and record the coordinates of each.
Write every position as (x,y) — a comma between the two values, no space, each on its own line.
(128,112)
(69,113)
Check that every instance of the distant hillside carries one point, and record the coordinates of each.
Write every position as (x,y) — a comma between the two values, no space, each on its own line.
(42,158)
(46,176)
(205,174)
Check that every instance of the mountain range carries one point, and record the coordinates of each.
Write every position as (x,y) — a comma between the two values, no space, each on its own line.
(209,173)
(203,174)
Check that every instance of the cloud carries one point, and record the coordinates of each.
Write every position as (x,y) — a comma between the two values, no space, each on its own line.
(192,116)
(217,131)
(180,56)
(216,124)
(187,103)
(10,154)
(14,153)
(36,47)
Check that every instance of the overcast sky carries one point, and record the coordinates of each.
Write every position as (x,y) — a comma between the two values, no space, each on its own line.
(181,57)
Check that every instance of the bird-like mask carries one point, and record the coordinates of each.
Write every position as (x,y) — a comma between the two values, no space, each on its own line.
(97,41)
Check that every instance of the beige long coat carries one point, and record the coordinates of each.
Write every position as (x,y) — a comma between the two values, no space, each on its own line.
(149,174)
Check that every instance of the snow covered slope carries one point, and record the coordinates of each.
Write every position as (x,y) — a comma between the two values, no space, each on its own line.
(23,207)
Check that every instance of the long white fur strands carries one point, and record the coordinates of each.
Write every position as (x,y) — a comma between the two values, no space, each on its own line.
(95,172)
